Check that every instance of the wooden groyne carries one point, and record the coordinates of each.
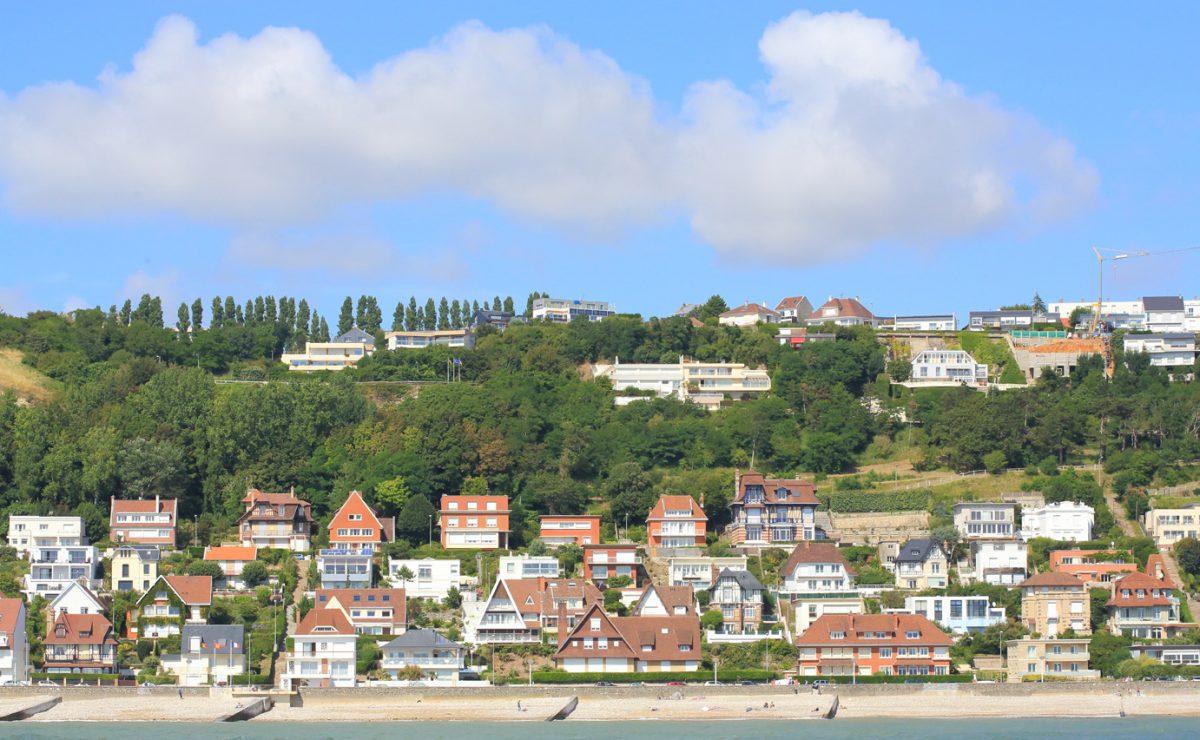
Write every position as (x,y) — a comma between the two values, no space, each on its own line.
(31,710)
(251,710)
(565,711)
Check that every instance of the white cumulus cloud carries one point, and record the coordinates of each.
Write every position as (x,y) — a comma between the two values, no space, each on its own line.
(854,140)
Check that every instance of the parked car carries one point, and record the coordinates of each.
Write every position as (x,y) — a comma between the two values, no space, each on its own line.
(820,682)
(46,682)
(677,683)
(605,683)
(713,683)
(746,682)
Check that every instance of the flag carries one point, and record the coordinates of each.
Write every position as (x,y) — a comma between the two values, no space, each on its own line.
(237,645)
(457,361)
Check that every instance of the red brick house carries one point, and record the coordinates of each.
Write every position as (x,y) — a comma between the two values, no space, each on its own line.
(570,530)
(474,522)
(601,562)
(143,522)
(356,526)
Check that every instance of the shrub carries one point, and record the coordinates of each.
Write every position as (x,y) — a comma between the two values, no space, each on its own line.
(205,568)
(741,674)
(255,573)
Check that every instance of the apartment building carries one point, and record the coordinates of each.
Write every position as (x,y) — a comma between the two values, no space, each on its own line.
(27,533)
(998,562)
(346,350)
(341,568)
(1166,314)
(143,522)
(1052,603)
(529,566)
(453,338)
(1093,567)
(999,320)
(430,579)
(276,520)
(1066,521)
(1056,659)
(986,521)
(1168,526)
(676,522)
(865,644)
(474,522)
(58,552)
(1143,606)
(564,310)
(704,383)
(959,614)
(209,655)
(928,322)
(947,366)
(772,511)
(602,562)
(371,611)
(818,581)
(557,530)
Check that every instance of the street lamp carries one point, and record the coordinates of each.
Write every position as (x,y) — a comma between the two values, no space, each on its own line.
(431,529)
(531,671)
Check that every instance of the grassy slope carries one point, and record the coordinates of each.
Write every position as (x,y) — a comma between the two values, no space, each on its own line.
(28,383)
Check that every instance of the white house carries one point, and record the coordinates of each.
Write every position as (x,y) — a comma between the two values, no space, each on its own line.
(1066,521)
(999,562)
(981,520)
(431,579)
(1165,314)
(1165,350)
(454,338)
(749,314)
(1005,320)
(26,533)
(323,652)
(54,564)
(1191,315)
(232,560)
(14,665)
(344,351)
(704,383)
(209,654)
(699,571)
(438,657)
(960,614)
(529,566)
(76,598)
(794,309)
(818,581)
(947,365)
(565,310)
(931,322)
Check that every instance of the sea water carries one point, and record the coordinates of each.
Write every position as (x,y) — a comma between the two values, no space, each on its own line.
(1143,728)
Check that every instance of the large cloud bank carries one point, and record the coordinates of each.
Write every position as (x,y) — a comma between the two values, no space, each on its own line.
(853,140)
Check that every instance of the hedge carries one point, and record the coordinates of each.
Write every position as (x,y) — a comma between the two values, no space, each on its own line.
(732,674)
(848,502)
(948,678)
(251,679)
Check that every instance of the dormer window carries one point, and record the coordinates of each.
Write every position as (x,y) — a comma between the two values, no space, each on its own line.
(913,635)
(838,635)
(781,494)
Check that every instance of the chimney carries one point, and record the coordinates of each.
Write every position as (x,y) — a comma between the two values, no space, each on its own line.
(562,623)
(541,584)
(737,481)
(157,506)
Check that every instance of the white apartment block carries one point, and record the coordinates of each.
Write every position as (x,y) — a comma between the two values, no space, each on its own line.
(344,351)
(564,310)
(529,566)
(1066,521)
(432,579)
(1066,308)
(986,521)
(1191,315)
(453,338)
(323,651)
(1165,350)
(959,614)
(1166,314)
(937,322)
(699,571)
(704,383)
(999,562)
(26,533)
(947,365)
(1168,526)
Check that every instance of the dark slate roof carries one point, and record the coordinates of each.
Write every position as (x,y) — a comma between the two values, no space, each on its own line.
(422,638)
(1162,303)
(145,552)
(745,579)
(916,551)
(355,335)
(215,639)
(1166,337)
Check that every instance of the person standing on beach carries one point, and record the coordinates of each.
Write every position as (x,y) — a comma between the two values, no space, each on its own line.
(181,694)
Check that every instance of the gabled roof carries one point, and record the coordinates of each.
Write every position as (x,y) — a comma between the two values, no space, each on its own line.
(191,590)
(917,551)
(791,302)
(799,492)
(422,638)
(608,630)
(663,637)
(349,598)
(321,621)
(292,507)
(670,596)
(676,503)
(1156,567)
(1052,578)
(215,639)
(855,626)
(80,629)
(75,587)
(745,580)
(231,552)
(815,552)
(10,614)
(1148,585)
(843,307)
(748,309)
(385,527)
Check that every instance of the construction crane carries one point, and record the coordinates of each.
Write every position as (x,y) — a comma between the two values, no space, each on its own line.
(1094,329)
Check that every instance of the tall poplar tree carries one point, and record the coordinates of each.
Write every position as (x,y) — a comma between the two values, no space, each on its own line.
(346,317)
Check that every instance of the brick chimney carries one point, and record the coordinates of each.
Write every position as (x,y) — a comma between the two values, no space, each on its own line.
(562,623)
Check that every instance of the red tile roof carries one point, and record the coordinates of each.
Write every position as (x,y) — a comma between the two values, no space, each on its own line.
(843,307)
(193,590)
(144,506)
(676,503)
(663,635)
(814,552)
(292,507)
(10,613)
(798,491)
(367,597)
(481,502)
(1148,585)
(80,629)
(790,302)
(384,527)
(1052,579)
(894,627)
(231,552)
(746,310)
(320,621)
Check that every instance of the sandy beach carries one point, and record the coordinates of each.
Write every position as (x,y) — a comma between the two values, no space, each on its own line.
(692,702)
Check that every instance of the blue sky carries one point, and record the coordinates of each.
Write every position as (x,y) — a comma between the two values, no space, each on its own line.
(646,153)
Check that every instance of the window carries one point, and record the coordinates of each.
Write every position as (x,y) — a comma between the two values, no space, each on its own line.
(912,635)
(837,635)
(594,624)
